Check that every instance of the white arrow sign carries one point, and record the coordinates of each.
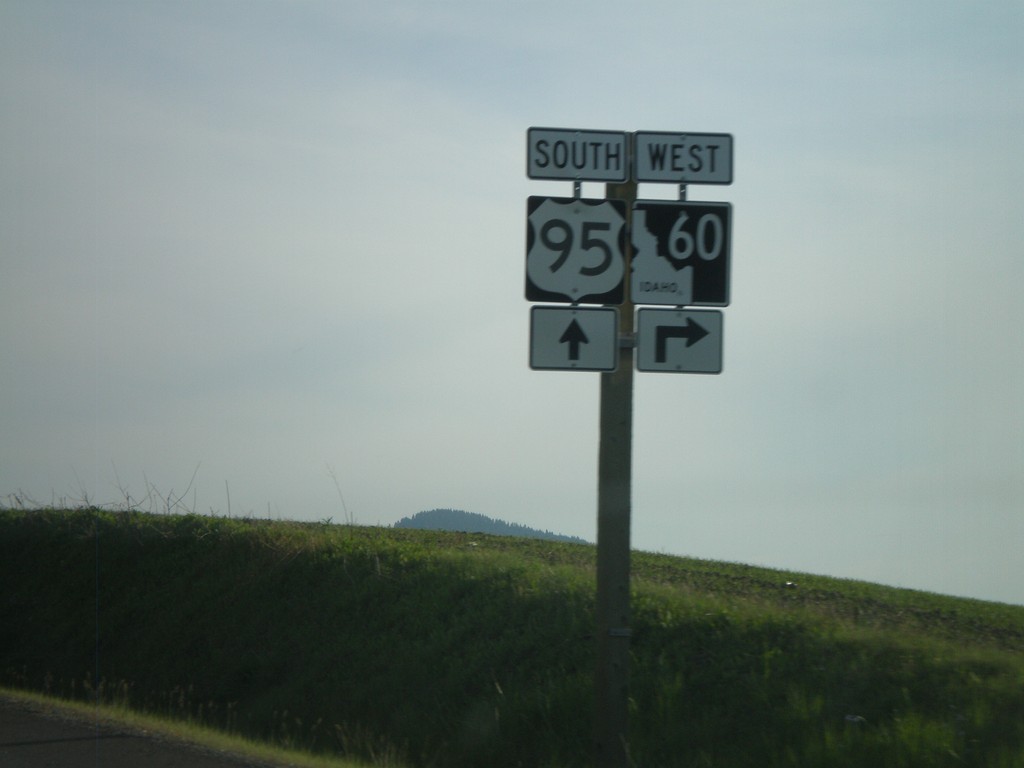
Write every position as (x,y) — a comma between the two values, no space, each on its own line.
(574,339)
(679,341)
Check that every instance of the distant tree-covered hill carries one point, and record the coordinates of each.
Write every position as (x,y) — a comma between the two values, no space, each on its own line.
(470,522)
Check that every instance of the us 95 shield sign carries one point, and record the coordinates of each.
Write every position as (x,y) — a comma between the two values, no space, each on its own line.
(574,250)
(681,253)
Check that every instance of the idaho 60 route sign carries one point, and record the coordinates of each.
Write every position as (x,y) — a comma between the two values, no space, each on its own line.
(681,253)
(574,250)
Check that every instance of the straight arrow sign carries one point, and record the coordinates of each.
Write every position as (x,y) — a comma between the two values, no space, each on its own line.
(679,340)
(574,338)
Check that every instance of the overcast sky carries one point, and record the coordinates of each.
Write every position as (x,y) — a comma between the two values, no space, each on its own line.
(274,245)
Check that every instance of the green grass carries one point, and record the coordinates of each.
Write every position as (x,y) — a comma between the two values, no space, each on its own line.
(425,648)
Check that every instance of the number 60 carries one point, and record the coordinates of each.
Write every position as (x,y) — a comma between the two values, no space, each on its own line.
(681,244)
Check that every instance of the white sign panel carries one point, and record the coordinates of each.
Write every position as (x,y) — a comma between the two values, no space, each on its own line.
(564,153)
(679,340)
(574,250)
(574,339)
(681,253)
(683,158)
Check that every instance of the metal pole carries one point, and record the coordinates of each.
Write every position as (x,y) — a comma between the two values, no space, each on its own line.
(614,478)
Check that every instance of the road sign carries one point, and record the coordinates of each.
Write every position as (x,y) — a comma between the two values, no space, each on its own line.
(679,340)
(574,339)
(564,153)
(683,158)
(574,250)
(681,253)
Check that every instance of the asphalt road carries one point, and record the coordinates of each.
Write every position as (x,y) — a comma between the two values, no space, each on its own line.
(32,736)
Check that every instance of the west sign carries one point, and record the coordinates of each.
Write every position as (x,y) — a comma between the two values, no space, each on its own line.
(683,158)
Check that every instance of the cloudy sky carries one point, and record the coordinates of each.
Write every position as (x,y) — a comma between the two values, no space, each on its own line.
(264,251)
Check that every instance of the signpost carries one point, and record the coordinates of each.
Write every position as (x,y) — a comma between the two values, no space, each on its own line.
(621,251)
(614,510)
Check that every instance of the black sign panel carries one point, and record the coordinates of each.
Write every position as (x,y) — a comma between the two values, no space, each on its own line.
(574,250)
(681,253)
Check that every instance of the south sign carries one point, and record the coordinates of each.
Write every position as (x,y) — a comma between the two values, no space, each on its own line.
(571,155)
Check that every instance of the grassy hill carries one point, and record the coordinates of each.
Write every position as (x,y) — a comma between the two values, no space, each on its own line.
(424,648)
(471,522)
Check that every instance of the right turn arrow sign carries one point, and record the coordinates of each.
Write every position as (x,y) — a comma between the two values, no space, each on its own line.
(679,341)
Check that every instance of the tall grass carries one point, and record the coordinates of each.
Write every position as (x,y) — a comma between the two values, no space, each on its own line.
(432,648)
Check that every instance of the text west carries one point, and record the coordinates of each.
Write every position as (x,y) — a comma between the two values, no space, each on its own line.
(682,157)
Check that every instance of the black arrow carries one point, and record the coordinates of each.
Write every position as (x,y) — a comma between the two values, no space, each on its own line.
(575,336)
(692,332)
